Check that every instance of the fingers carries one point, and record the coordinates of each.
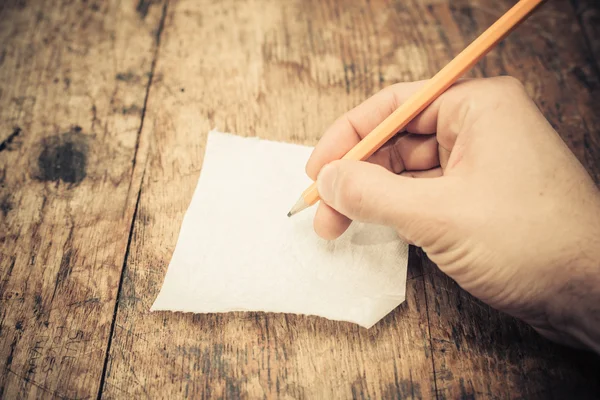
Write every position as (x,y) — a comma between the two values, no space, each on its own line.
(444,156)
(409,152)
(369,193)
(430,173)
(350,128)
(455,111)
(328,223)
(376,195)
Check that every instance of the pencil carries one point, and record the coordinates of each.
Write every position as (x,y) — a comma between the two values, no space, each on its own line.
(440,82)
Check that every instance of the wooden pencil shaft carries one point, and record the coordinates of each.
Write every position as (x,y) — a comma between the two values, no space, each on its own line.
(433,88)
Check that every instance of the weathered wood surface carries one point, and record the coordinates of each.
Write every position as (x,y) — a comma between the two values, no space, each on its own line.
(73,80)
(104,110)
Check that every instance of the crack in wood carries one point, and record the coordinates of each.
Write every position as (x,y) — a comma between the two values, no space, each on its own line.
(103,376)
(159,31)
(4,145)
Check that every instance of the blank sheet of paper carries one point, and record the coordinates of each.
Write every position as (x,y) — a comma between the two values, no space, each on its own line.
(238,250)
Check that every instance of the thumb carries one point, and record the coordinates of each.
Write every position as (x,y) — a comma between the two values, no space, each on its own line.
(367,192)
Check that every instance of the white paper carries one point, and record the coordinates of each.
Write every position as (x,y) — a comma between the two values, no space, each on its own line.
(238,250)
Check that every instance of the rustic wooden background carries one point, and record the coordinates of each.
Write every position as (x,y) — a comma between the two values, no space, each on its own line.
(104,111)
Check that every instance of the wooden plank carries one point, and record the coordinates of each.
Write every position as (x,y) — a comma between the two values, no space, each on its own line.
(282,71)
(73,83)
(477,351)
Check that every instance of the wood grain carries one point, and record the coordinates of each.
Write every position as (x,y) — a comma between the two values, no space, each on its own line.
(104,111)
(73,80)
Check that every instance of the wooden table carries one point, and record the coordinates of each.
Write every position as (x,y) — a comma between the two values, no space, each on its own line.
(104,112)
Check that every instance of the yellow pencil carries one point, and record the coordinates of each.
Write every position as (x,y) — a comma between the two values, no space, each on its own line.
(429,92)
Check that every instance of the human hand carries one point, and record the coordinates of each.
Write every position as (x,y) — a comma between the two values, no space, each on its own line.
(499,202)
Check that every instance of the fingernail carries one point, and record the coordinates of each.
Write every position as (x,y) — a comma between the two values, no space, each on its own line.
(326,182)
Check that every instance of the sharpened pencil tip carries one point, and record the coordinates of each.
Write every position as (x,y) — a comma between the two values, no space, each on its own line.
(299,206)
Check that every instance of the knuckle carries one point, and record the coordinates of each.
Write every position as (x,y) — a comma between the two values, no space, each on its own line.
(507,87)
(492,94)
(509,80)
(478,99)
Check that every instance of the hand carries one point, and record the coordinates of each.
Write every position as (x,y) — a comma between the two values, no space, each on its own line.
(483,183)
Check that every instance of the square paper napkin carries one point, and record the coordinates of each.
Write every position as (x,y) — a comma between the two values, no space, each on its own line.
(238,250)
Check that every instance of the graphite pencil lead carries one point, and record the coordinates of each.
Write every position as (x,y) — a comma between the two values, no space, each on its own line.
(299,206)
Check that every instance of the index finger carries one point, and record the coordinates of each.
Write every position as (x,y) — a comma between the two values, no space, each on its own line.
(354,125)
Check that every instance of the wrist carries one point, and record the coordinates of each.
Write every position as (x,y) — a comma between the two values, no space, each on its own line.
(574,311)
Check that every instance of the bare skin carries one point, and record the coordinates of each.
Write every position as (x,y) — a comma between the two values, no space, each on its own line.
(484,184)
